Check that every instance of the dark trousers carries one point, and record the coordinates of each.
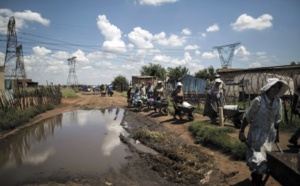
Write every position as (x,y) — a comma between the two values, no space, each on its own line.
(296,135)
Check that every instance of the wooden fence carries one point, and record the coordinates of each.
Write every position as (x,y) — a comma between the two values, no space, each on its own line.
(23,99)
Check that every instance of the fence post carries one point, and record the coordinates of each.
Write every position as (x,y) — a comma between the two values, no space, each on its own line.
(221,119)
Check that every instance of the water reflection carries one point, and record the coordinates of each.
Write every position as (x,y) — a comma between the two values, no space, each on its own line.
(77,141)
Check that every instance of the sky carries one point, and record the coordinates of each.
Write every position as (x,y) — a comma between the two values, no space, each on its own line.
(117,37)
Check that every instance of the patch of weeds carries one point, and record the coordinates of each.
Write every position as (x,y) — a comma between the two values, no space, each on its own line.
(15,117)
(68,92)
(217,137)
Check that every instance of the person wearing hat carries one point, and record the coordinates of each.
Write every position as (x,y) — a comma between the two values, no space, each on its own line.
(177,97)
(264,116)
(159,91)
(222,88)
(213,101)
(294,139)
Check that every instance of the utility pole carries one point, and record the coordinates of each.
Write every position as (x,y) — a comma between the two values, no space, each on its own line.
(20,68)
(13,70)
(72,78)
(226,62)
(11,46)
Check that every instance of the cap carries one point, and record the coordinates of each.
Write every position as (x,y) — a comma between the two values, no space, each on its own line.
(218,80)
(159,82)
(178,84)
(217,76)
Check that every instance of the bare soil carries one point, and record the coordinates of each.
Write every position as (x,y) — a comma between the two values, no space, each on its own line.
(162,169)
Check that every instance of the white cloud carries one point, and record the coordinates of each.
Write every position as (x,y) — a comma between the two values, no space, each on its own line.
(213,28)
(260,53)
(161,58)
(210,55)
(21,19)
(255,65)
(61,55)
(242,51)
(28,15)
(80,56)
(187,57)
(186,31)
(41,51)
(246,22)
(141,38)
(112,34)
(203,34)
(197,52)
(173,40)
(155,2)
(191,47)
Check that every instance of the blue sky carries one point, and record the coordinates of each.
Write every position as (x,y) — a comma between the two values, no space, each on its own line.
(117,37)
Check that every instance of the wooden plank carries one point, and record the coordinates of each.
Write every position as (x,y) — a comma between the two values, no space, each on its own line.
(284,167)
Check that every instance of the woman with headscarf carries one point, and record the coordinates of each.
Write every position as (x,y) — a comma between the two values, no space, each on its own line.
(264,116)
(213,101)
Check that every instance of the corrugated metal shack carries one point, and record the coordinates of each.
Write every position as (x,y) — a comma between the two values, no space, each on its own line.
(193,88)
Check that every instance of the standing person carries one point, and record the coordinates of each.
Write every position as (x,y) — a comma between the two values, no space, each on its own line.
(143,90)
(129,92)
(177,97)
(129,95)
(294,139)
(150,90)
(222,88)
(158,91)
(110,91)
(213,101)
(264,116)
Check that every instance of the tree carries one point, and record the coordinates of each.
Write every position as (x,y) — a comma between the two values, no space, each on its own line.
(154,70)
(120,83)
(294,63)
(207,73)
(177,73)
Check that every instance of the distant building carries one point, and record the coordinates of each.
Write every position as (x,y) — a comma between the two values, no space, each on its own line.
(11,84)
(138,80)
(247,82)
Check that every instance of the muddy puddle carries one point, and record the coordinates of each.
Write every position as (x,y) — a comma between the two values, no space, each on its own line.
(70,145)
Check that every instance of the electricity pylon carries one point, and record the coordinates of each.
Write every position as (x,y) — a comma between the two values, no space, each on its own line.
(226,62)
(13,50)
(72,78)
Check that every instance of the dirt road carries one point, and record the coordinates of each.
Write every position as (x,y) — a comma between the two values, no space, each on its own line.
(145,169)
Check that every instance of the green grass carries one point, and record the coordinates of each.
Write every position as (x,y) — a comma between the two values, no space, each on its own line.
(217,137)
(14,117)
(124,93)
(68,92)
